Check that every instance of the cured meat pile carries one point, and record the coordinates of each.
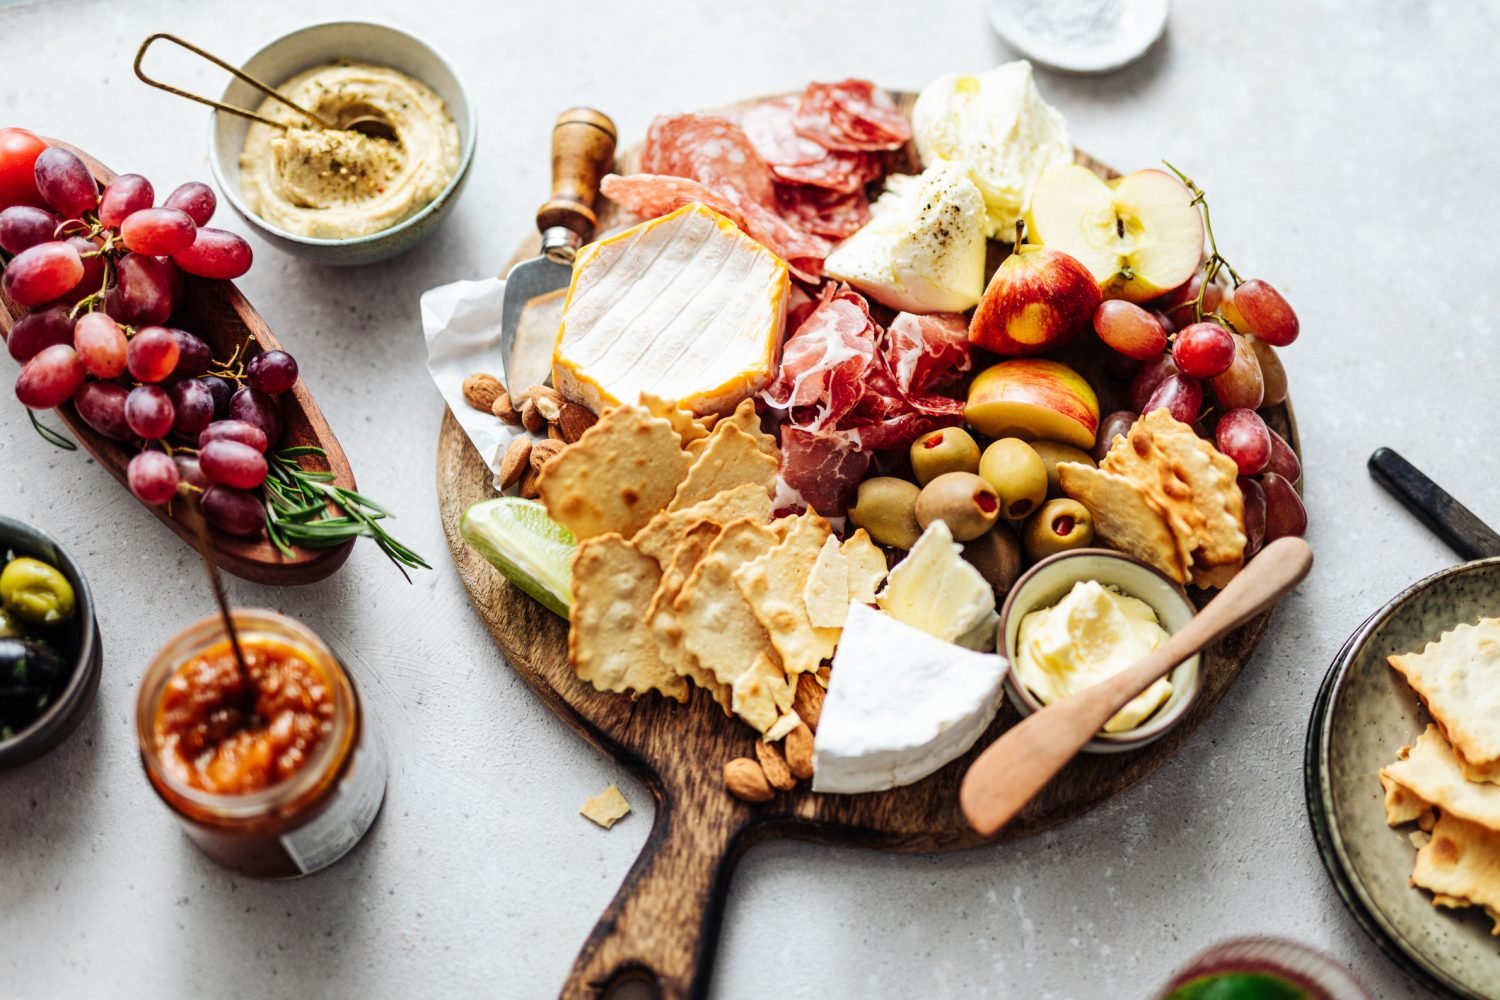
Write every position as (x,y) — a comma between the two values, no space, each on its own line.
(847,388)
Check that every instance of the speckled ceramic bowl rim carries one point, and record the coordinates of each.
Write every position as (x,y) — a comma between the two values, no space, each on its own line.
(1319,793)
(470,132)
(1027,703)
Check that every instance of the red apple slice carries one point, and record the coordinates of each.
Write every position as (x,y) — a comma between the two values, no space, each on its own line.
(1035,399)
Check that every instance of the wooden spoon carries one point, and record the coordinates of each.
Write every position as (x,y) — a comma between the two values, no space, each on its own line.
(1017,765)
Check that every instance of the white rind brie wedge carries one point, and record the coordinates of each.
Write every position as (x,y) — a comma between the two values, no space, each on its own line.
(900,705)
(923,249)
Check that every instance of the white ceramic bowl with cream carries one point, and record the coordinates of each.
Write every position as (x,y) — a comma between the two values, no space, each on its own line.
(320,45)
(1049,581)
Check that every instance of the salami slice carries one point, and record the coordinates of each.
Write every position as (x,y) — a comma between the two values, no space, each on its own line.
(837,171)
(795,159)
(853,116)
(823,212)
(713,151)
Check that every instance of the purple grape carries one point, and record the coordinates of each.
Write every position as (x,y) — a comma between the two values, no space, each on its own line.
(1283,461)
(233,430)
(1180,396)
(145,290)
(23,227)
(1116,424)
(273,372)
(102,407)
(148,410)
(230,463)
(189,473)
(233,511)
(1147,378)
(40,329)
(93,270)
(255,407)
(193,355)
(65,182)
(124,195)
(222,390)
(193,406)
(196,199)
(152,477)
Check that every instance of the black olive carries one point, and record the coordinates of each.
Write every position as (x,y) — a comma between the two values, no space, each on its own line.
(30,671)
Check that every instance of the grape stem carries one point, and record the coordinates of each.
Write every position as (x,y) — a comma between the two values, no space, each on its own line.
(1216,261)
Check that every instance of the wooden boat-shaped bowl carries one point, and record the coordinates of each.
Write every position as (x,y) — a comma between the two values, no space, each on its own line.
(220,315)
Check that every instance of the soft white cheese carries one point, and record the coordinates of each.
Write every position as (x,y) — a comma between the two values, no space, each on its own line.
(900,705)
(923,248)
(1000,129)
(936,590)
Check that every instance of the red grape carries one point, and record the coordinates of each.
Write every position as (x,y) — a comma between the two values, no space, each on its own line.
(50,378)
(1264,312)
(145,290)
(126,194)
(1178,303)
(255,407)
(1203,350)
(39,329)
(1255,515)
(193,355)
(234,430)
(272,372)
(222,391)
(65,182)
(1164,320)
(102,407)
(152,354)
(1285,514)
(189,473)
(153,477)
(1151,375)
(196,199)
(193,406)
(1244,437)
(234,511)
(215,253)
(18,152)
(230,463)
(92,281)
(100,344)
(1117,424)
(24,226)
(1129,329)
(1283,461)
(148,411)
(1272,374)
(1180,396)
(158,232)
(42,273)
(1241,386)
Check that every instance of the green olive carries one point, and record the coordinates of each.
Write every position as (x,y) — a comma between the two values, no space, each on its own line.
(948,449)
(1016,472)
(1052,452)
(997,556)
(886,507)
(35,592)
(1061,525)
(961,500)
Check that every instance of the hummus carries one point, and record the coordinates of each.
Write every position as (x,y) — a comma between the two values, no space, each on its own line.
(1089,636)
(333,184)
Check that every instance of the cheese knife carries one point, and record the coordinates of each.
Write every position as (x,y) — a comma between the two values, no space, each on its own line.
(583,147)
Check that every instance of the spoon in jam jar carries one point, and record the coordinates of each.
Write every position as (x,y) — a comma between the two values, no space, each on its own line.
(250,692)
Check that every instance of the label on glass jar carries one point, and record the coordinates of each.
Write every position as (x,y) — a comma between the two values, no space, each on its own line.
(339,827)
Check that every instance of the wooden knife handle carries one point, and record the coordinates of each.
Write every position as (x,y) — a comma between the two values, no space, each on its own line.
(583,147)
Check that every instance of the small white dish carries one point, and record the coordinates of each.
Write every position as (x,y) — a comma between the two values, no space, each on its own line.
(319,45)
(1049,581)
(1080,36)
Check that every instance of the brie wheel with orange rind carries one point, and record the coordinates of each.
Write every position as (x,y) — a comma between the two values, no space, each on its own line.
(685,306)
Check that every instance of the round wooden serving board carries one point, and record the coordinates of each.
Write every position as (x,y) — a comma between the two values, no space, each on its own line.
(663,924)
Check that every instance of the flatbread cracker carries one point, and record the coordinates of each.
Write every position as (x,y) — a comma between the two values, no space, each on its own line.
(731,457)
(609,643)
(662,534)
(607,808)
(762,694)
(746,419)
(774,583)
(826,594)
(662,617)
(1213,505)
(1401,805)
(1123,518)
(1458,678)
(1461,865)
(718,626)
(682,421)
(867,567)
(1431,774)
(622,471)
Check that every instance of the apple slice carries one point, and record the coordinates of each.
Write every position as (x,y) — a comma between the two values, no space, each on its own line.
(1139,235)
(1034,399)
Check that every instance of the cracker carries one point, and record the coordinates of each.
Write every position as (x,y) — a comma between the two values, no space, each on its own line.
(774,583)
(746,419)
(1401,806)
(826,594)
(730,458)
(662,534)
(1460,865)
(867,567)
(1431,774)
(662,617)
(688,429)
(718,626)
(1123,518)
(1214,505)
(762,694)
(609,643)
(622,471)
(1458,678)
(607,808)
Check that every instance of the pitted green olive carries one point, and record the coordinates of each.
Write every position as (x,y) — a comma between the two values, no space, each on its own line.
(1061,525)
(1052,453)
(948,449)
(35,592)
(886,507)
(963,501)
(1016,472)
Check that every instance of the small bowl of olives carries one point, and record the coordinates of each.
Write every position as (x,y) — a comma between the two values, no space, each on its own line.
(50,654)
(1046,583)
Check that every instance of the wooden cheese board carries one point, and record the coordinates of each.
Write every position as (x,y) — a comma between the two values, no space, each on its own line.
(663,924)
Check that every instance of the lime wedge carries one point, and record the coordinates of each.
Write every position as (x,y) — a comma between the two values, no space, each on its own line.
(1239,986)
(533,551)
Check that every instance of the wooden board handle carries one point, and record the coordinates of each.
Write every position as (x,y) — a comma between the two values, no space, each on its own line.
(583,147)
(663,925)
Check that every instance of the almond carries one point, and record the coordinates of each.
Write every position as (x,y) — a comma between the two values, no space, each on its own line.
(798,747)
(531,419)
(774,766)
(573,420)
(516,461)
(745,780)
(543,452)
(481,391)
(505,409)
(529,481)
(554,433)
(548,401)
(808,702)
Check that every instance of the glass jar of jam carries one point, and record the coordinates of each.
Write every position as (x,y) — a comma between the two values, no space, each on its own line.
(275,774)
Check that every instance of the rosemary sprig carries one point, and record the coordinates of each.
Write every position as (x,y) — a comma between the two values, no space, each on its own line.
(298,511)
(49,435)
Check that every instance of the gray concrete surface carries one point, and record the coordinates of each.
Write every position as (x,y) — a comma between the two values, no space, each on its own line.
(1348,149)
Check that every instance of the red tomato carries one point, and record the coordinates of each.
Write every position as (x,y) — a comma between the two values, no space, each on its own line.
(18,152)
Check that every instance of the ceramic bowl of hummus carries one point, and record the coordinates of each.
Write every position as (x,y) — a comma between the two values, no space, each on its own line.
(338,195)
(1078,617)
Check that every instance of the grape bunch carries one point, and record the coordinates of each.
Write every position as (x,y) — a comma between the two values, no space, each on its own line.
(1206,352)
(100,274)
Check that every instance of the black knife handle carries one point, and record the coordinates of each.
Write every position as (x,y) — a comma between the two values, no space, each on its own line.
(1450,520)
